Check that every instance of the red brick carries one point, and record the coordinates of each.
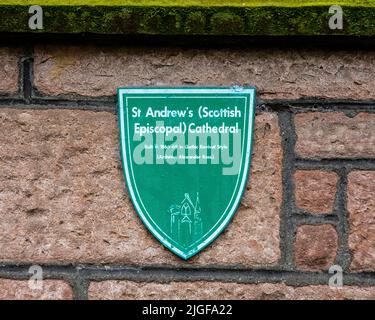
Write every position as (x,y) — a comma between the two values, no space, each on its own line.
(20,290)
(202,290)
(63,198)
(9,74)
(278,74)
(335,135)
(315,190)
(315,247)
(361,208)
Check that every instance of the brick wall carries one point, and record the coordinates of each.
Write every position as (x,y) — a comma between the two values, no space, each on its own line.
(310,202)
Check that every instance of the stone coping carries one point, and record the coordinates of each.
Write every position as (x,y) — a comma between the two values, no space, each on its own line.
(190,17)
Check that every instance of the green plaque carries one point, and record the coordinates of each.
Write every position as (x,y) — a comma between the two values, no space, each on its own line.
(186,155)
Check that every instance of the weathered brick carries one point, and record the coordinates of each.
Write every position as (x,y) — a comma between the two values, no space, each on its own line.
(128,290)
(315,247)
(9,74)
(63,198)
(20,290)
(315,190)
(361,208)
(335,135)
(289,74)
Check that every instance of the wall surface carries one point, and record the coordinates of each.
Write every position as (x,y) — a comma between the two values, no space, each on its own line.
(310,201)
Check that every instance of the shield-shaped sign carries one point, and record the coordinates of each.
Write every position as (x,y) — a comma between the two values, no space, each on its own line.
(186,155)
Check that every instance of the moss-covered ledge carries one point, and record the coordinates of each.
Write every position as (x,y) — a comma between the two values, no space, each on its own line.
(190,17)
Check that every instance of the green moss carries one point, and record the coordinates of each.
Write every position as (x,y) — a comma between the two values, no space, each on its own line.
(195,23)
(226,23)
(151,22)
(260,21)
(189,3)
(171,23)
(125,21)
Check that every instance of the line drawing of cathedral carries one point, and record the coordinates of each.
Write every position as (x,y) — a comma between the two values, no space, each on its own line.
(186,220)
